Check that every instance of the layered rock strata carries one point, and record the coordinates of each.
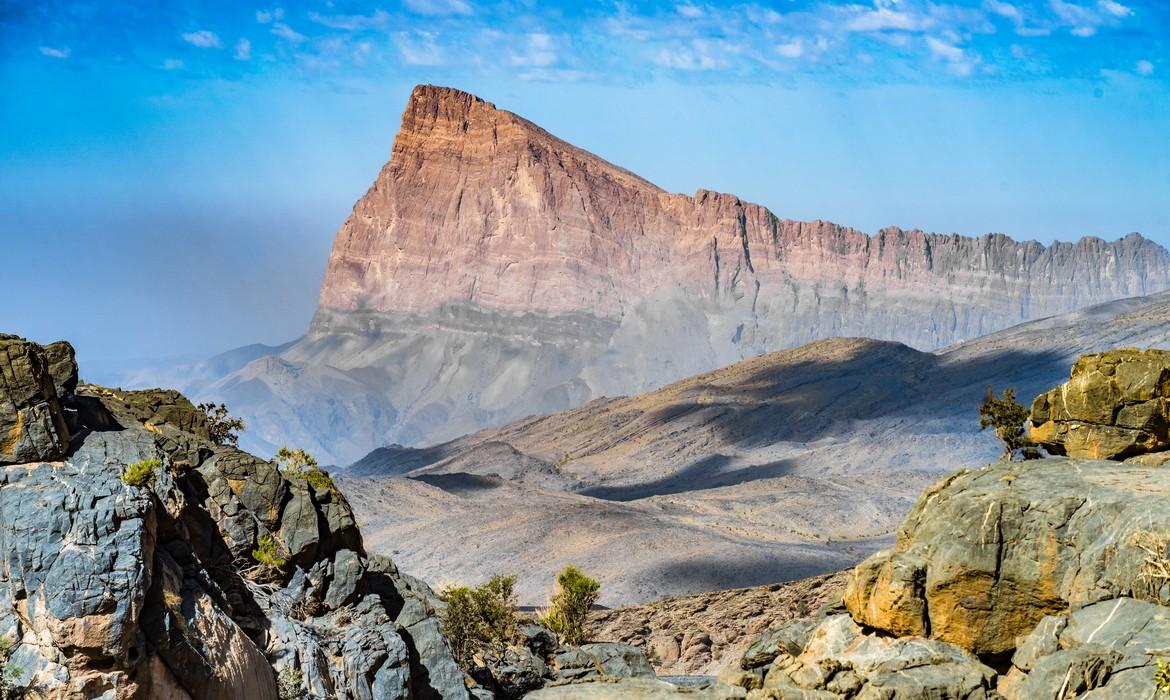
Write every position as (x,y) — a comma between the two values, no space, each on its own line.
(494,271)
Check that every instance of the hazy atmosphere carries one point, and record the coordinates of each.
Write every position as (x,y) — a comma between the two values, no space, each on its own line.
(223,145)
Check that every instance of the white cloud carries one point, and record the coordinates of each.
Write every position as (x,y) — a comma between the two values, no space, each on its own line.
(959,63)
(439,7)
(286,32)
(351,23)
(791,49)
(172,64)
(1005,9)
(884,17)
(688,10)
(539,52)
(763,15)
(699,54)
(269,16)
(203,39)
(943,50)
(1085,21)
(243,50)
(1114,8)
(419,49)
(52,52)
(1144,68)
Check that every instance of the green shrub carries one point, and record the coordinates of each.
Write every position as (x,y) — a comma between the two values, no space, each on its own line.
(1162,677)
(142,473)
(290,683)
(268,553)
(9,674)
(298,464)
(1007,418)
(570,605)
(224,427)
(480,620)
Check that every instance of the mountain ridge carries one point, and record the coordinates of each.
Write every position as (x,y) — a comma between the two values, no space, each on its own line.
(494,271)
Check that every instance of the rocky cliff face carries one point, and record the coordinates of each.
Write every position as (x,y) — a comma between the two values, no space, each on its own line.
(153,589)
(494,271)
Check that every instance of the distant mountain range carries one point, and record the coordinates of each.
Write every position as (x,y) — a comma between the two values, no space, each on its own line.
(781,466)
(494,271)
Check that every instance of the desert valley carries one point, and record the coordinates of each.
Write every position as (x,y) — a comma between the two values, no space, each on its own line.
(556,432)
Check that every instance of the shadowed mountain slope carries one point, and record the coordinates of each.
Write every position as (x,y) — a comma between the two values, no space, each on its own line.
(730,477)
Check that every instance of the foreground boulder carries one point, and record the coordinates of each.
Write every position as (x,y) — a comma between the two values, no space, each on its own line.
(1116,404)
(836,659)
(153,589)
(1037,579)
(985,555)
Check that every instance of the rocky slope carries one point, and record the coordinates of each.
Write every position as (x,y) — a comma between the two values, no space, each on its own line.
(494,271)
(114,590)
(1015,581)
(783,466)
(701,634)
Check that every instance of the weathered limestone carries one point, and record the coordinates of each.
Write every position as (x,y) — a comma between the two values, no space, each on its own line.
(1116,404)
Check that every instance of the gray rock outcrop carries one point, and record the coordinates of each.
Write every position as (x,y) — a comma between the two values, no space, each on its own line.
(152,590)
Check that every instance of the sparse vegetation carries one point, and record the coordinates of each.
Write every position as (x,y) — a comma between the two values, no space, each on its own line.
(1007,418)
(269,554)
(1155,570)
(9,673)
(480,620)
(142,473)
(225,427)
(290,683)
(570,605)
(298,464)
(1162,676)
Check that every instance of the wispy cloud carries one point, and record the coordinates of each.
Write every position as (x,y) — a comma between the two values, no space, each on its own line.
(270,16)
(172,64)
(884,16)
(203,38)
(689,10)
(53,52)
(1144,67)
(539,52)
(287,33)
(419,48)
(698,54)
(351,23)
(243,50)
(439,7)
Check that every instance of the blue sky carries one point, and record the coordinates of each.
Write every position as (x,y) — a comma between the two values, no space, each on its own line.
(173,173)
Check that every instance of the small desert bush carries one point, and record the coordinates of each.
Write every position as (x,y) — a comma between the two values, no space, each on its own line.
(9,674)
(225,427)
(569,607)
(1162,677)
(298,464)
(1007,418)
(290,683)
(268,553)
(480,620)
(142,473)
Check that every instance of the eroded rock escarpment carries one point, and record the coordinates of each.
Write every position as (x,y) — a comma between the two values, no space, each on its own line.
(516,274)
(117,591)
